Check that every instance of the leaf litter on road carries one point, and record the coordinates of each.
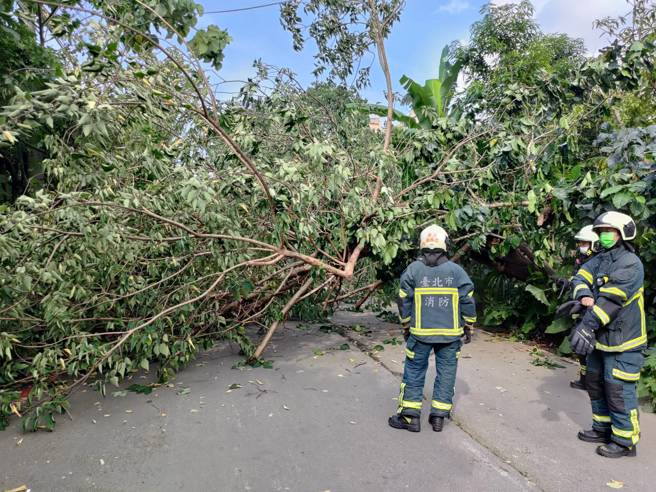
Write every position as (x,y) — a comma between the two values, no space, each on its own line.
(233,387)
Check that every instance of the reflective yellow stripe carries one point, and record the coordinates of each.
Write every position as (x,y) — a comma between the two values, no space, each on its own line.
(601,314)
(406,320)
(584,369)
(636,425)
(435,332)
(400,399)
(600,418)
(409,353)
(458,355)
(636,342)
(469,320)
(471,294)
(626,376)
(436,290)
(426,291)
(613,290)
(580,287)
(636,296)
(416,405)
(622,433)
(634,434)
(586,275)
(402,294)
(442,406)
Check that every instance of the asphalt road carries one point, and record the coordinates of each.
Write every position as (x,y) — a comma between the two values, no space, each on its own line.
(525,412)
(317,421)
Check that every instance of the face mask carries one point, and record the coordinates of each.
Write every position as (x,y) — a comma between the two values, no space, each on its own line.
(607,239)
(584,250)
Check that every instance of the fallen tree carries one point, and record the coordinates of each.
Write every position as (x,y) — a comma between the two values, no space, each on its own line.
(167,219)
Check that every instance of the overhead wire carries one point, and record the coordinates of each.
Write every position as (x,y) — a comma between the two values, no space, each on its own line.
(271,4)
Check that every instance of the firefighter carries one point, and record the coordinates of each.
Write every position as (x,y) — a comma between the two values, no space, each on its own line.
(612,333)
(436,310)
(587,244)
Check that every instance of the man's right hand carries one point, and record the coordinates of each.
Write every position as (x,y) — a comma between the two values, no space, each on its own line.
(587,301)
(467,335)
(582,339)
(406,331)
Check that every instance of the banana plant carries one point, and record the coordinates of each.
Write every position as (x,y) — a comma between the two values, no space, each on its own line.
(429,100)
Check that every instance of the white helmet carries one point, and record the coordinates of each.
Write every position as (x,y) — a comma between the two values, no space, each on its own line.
(619,221)
(433,237)
(588,235)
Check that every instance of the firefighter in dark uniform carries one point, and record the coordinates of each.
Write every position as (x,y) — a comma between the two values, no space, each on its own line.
(587,245)
(612,334)
(436,308)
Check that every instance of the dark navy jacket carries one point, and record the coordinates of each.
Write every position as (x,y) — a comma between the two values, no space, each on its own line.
(437,301)
(614,278)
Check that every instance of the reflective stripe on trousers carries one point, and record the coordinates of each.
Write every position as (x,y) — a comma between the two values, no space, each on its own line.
(414,376)
(611,381)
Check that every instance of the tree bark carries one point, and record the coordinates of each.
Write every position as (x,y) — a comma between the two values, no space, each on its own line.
(274,326)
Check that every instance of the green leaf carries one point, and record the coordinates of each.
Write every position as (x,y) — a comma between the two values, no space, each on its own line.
(558,326)
(164,349)
(621,199)
(537,293)
(532,201)
(611,190)
(565,348)
(208,45)
(140,388)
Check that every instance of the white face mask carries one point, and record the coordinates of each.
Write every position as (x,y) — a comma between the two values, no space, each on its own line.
(584,250)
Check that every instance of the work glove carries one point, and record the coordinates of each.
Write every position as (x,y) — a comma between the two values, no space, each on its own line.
(467,335)
(582,339)
(406,331)
(569,308)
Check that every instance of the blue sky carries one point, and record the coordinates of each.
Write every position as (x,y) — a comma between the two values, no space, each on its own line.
(413,47)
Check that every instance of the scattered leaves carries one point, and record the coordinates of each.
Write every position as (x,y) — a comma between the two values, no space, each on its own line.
(143,389)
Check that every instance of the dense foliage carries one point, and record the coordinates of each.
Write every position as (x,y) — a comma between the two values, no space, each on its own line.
(157,219)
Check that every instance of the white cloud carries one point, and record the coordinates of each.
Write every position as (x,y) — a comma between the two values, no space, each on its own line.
(575,17)
(454,6)
(537,4)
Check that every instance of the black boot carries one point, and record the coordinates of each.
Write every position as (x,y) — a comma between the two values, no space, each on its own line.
(579,385)
(594,436)
(436,422)
(404,422)
(614,450)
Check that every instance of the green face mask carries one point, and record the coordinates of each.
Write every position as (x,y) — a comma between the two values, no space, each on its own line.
(607,239)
